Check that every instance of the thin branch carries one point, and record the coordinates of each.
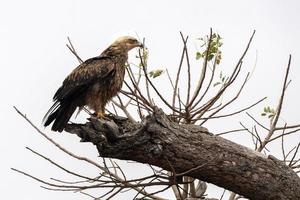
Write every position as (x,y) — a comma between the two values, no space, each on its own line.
(231,131)
(141,97)
(89,195)
(203,72)
(237,112)
(120,180)
(92,186)
(124,109)
(257,138)
(278,111)
(287,155)
(59,166)
(257,122)
(287,127)
(155,89)
(209,83)
(291,162)
(232,78)
(58,145)
(229,102)
(282,145)
(223,194)
(189,74)
(73,51)
(45,182)
(179,70)
(136,81)
(108,192)
(283,134)
(215,98)
(114,194)
(173,87)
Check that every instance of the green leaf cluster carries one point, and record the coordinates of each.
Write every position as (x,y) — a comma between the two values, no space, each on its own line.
(155,73)
(144,56)
(269,112)
(213,50)
(223,80)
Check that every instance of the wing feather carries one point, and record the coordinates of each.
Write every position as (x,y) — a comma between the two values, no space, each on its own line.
(68,95)
(96,68)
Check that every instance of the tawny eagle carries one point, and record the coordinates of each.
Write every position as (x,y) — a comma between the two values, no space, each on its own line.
(93,83)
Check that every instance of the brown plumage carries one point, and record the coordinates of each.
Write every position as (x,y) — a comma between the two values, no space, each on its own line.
(93,83)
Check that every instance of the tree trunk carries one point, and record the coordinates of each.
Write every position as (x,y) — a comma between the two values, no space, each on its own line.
(193,151)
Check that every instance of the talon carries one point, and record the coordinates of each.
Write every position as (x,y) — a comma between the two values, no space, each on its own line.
(101,115)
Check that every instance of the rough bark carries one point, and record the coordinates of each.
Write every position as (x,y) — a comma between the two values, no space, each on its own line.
(192,150)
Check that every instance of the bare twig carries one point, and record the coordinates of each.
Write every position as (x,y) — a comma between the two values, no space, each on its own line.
(231,131)
(278,110)
(236,112)
(203,72)
(261,125)
(179,70)
(209,83)
(155,89)
(296,151)
(73,51)
(123,184)
(61,167)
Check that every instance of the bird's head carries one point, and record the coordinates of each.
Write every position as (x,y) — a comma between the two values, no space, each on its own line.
(127,42)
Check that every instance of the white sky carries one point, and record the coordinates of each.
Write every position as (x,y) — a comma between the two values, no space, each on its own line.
(35,61)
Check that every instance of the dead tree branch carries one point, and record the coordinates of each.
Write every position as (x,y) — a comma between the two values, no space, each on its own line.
(186,147)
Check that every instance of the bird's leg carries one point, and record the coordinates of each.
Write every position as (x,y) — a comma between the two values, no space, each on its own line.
(101,114)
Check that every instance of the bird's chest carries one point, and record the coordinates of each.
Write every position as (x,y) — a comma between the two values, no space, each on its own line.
(110,86)
(116,83)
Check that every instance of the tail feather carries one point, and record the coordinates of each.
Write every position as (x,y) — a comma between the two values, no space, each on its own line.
(60,113)
(50,116)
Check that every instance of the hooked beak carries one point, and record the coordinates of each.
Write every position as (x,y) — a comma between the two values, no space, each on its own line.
(141,45)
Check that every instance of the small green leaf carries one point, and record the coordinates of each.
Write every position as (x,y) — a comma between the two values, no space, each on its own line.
(263,114)
(270,116)
(198,55)
(214,49)
(218,59)
(155,73)
(210,56)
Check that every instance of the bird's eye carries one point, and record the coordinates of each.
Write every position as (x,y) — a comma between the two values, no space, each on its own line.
(132,41)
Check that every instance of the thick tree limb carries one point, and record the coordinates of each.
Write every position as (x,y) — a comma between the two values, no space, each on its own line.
(192,151)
